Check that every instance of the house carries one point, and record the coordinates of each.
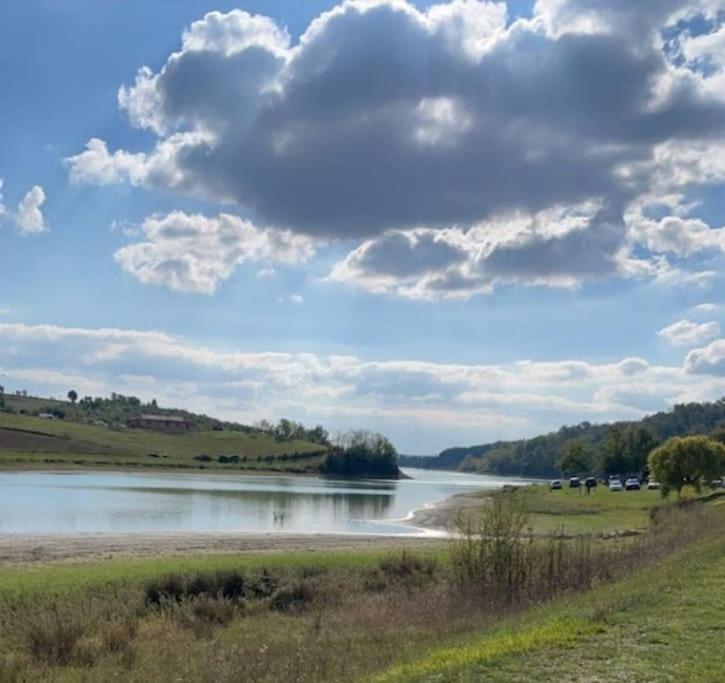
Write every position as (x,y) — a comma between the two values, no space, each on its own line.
(161,423)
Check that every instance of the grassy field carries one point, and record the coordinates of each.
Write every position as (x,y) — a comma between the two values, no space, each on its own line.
(36,442)
(662,624)
(25,585)
(572,511)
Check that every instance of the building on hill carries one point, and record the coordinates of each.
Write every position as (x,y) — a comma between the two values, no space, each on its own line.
(160,423)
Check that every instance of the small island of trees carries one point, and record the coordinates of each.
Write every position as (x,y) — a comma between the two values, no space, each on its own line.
(361,453)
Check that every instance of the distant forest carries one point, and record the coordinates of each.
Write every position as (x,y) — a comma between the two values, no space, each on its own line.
(617,448)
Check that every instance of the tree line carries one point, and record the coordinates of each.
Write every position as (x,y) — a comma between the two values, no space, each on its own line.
(618,448)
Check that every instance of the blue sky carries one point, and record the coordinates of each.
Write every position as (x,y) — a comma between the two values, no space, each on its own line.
(451,223)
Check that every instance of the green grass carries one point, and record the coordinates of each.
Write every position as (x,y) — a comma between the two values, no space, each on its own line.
(36,442)
(662,624)
(572,511)
(21,584)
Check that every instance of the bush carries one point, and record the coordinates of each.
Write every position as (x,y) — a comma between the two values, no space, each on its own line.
(53,637)
(293,598)
(230,585)
(407,565)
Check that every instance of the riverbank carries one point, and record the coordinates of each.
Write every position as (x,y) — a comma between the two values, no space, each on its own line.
(40,549)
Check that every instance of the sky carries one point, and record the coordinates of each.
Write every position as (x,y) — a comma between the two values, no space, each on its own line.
(451,223)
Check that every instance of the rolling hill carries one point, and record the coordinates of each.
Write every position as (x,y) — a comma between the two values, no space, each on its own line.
(27,440)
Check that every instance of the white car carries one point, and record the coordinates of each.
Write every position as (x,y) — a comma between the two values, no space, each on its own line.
(615,485)
(632,484)
(653,485)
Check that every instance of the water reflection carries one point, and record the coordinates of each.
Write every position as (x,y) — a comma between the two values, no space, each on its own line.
(77,502)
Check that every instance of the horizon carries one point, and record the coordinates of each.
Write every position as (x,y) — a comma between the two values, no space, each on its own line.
(452,223)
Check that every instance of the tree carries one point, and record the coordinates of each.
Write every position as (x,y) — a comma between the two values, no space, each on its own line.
(2,396)
(626,449)
(576,459)
(72,396)
(687,461)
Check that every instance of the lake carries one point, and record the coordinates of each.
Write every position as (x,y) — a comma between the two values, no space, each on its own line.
(130,502)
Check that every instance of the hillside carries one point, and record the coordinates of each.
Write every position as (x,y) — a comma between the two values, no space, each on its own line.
(82,437)
(539,455)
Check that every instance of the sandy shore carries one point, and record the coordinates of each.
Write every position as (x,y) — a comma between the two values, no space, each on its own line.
(442,516)
(27,549)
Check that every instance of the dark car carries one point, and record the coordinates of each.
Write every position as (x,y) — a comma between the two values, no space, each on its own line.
(574,483)
(590,482)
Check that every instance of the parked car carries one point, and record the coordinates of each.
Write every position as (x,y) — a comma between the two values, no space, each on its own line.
(653,485)
(591,482)
(632,484)
(555,485)
(615,485)
(574,483)
(716,483)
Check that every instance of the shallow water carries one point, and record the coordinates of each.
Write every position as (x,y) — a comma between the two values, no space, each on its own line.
(121,502)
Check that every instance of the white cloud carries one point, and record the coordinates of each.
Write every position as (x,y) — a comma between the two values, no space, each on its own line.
(3,208)
(688,333)
(28,217)
(706,308)
(296,299)
(475,402)
(709,360)
(194,253)
(682,237)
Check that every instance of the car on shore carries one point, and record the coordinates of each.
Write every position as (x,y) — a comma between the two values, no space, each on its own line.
(615,485)
(632,484)
(653,485)
(574,483)
(555,485)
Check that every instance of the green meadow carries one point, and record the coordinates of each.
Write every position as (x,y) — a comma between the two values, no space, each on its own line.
(32,442)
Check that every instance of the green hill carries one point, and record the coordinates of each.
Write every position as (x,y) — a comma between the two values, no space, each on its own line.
(83,438)
(538,456)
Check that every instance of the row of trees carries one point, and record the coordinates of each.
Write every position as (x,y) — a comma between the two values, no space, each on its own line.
(624,450)
(287,430)
(595,448)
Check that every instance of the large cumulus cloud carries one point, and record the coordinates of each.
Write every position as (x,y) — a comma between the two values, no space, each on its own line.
(383,119)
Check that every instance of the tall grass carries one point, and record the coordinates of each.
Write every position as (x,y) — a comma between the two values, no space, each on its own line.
(495,562)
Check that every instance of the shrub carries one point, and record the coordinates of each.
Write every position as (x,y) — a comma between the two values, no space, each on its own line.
(53,637)
(294,597)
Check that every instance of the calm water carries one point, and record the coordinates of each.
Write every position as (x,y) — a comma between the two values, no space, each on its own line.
(79,502)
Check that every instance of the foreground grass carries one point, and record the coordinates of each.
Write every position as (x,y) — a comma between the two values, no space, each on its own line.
(352,616)
(662,624)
